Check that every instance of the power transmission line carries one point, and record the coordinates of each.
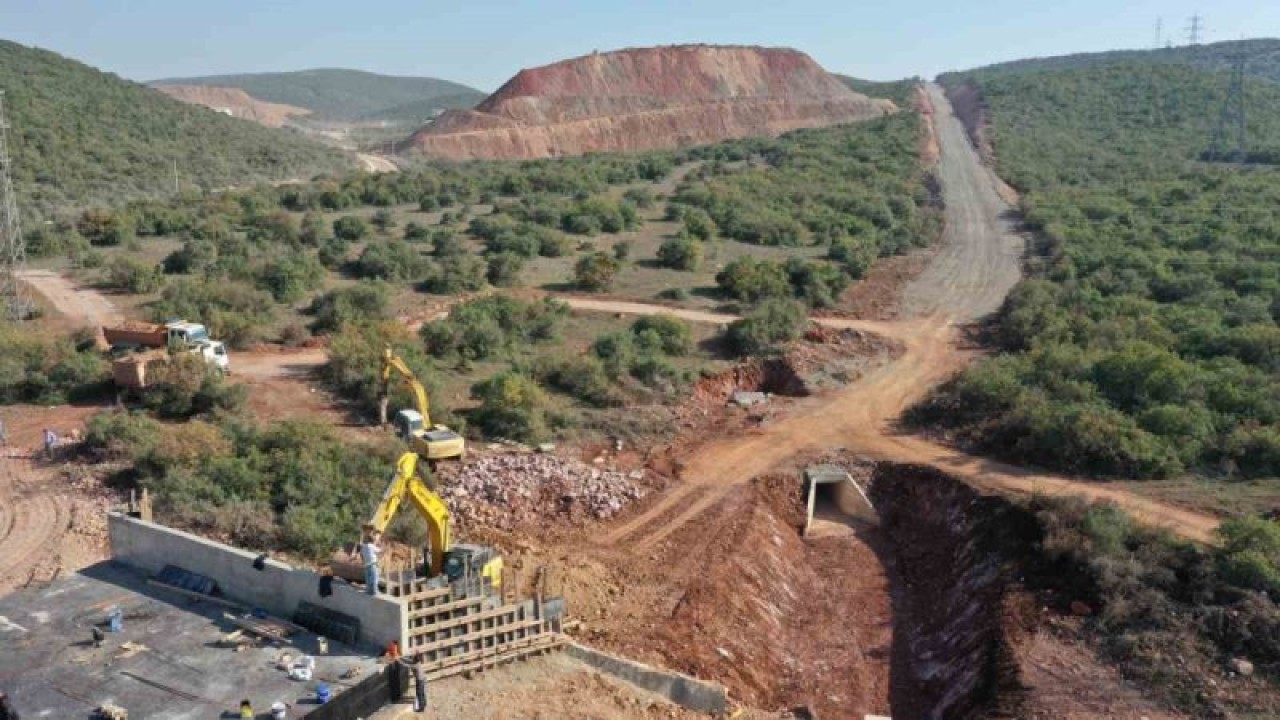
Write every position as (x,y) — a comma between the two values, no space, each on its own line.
(1195,29)
(1159,32)
(1232,119)
(14,301)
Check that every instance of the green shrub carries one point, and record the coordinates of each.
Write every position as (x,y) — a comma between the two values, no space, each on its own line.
(769,324)
(595,272)
(511,406)
(854,255)
(455,274)
(446,243)
(490,326)
(134,276)
(392,261)
(289,277)
(816,284)
(383,220)
(187,386)
(581,377)
(616,352)
(504,269)
(674,336)
(753,281)
(349,228)
(105,227)
(39,369)
(365,303)
(415,233)
(680,253)
(1250,553)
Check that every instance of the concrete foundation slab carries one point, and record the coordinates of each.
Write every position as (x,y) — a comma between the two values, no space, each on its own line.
(51,669)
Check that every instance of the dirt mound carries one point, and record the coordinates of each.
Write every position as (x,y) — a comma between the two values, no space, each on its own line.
(644,99)
(234,102)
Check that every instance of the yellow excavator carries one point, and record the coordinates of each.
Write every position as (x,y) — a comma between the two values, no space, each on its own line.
(448,562)
(431,442)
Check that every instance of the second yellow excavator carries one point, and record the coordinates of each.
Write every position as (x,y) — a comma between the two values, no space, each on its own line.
(448,562)
(430,442)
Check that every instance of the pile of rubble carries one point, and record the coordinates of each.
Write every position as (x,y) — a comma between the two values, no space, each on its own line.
(508,490)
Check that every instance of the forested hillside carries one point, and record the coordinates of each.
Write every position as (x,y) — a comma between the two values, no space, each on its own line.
(898,91)
(1145,344)
(1263,59)
(82,137)
(335,94)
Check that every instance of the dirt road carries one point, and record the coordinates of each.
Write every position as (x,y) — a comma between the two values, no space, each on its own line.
(969,278)
(376,163)
(80,304)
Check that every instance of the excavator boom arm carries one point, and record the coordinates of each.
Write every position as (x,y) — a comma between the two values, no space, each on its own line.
(406,484)
(392,362)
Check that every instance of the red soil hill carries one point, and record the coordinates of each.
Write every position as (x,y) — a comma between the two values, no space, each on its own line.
(645,99)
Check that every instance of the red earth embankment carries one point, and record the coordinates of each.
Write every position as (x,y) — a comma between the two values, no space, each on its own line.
(645,99)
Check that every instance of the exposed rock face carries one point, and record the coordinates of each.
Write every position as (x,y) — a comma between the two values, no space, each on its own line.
(645,99)
(234,102)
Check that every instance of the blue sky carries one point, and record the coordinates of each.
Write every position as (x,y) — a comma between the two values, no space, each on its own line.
(483,42)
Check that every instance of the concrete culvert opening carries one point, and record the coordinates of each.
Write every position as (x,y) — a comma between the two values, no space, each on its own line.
(836,501)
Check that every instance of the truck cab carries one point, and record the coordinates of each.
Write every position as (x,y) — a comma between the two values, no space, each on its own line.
(187,334)
(215,353)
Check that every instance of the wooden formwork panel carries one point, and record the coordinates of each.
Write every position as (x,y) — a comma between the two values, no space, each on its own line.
(479,660)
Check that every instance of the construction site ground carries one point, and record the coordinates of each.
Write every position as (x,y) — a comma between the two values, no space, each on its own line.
(707,574)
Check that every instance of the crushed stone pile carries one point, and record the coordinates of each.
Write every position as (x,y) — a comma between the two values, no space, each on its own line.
(505,491)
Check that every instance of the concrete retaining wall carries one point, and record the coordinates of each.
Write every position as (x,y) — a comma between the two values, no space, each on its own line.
(277,588)
(692,693)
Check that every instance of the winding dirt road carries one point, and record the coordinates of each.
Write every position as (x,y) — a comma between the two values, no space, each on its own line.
(969,278)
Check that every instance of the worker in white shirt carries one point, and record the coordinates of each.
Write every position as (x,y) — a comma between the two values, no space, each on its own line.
(369,551)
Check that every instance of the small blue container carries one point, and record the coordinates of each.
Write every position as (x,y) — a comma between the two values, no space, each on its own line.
(323,693)
(115,621)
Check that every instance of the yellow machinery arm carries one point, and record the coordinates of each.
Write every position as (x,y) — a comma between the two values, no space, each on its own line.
(392,362)
(406,484)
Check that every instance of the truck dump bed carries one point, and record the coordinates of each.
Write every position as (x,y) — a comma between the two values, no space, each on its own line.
(137,333)
(130,371)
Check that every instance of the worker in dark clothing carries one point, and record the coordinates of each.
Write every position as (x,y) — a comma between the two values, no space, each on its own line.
(419,686)
(6,709)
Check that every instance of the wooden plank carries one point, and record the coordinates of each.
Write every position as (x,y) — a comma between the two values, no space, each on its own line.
(445,607)
(468,638)
(508,653)
(415,595)
(270,631)
(466,619)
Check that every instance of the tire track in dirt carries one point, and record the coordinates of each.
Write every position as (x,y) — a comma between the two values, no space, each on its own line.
(37,519)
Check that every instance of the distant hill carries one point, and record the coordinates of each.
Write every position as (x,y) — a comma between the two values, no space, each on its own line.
(334,94)
(81,136)
(420,112)
(898,91)
(1263,54)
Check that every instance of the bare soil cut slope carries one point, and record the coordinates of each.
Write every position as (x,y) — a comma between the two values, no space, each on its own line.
(234,102)
(645,99)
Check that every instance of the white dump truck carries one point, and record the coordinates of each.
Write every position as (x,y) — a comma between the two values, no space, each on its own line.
(138,347)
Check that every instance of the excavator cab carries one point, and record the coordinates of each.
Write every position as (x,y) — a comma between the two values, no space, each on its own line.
(465,560)
(431,442)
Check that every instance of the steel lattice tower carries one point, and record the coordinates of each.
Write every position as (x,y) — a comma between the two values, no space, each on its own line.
(1232,120)
(14,301)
